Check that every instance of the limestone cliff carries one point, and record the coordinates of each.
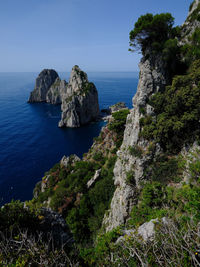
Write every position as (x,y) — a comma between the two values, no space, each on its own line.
(153,78)
(80,103)
(44,81)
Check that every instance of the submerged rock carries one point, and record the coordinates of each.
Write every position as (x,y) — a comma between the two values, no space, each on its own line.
(80,103)
(43,82)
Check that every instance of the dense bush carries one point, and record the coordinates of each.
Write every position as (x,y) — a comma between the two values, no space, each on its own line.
(165,169)
(177,111)
(86,219)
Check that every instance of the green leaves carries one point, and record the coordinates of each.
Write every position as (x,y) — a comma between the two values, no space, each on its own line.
(177,111)
(150,29)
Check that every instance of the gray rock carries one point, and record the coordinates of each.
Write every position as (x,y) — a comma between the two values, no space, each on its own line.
(66,161)
(80,103)
(94,178)
(56,92)
(153,78)
(43,82)
(147,230)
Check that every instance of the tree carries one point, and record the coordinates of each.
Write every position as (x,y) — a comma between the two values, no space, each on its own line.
(151,30)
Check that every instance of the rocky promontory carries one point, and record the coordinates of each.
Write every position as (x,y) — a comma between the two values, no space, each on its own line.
(80,103)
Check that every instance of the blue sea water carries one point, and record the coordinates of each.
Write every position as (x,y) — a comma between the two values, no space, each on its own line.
(30,140)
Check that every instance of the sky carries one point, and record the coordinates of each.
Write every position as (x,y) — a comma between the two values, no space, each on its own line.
(59,34)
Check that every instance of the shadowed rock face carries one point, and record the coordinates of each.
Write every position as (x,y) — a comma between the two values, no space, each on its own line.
(56,91)
(42,85)
(80,103)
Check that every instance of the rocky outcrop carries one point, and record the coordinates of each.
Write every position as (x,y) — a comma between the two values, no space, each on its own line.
(44,81)
(56,92)
(71,160)
(145,232)
(192,22)
(94,178)
(80,103)
(153,78)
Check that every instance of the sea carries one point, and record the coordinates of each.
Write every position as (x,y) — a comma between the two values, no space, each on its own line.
(30,140)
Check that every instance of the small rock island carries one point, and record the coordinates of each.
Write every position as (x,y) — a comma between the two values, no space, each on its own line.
(79,97)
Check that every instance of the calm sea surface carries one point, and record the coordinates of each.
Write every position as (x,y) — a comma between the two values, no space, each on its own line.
(30,141)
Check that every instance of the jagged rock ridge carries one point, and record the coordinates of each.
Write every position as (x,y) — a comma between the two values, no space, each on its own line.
(80,103)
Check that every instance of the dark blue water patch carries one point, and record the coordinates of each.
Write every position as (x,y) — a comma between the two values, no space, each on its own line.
(30,140)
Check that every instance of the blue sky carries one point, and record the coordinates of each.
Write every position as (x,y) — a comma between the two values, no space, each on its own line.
(93,34)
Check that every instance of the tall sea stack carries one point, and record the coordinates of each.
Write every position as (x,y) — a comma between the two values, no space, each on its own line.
(80,103)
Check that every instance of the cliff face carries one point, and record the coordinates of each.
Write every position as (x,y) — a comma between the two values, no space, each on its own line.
(152,79)
(192,22)
(80,103)
(56,91)
(43,82)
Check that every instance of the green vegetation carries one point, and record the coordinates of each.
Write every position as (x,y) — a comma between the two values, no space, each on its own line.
(136,151)
(118,124)
(130,177)
(152,31)
(178,239)
(67,192)
(191,51)
(165,169)
(177,112)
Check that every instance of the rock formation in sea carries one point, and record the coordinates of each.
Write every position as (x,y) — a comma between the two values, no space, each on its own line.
(44,81)
(56,91)
(80,102)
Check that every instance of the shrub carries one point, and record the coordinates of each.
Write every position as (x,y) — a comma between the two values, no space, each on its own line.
(177,111)
(135,151)
(130,177)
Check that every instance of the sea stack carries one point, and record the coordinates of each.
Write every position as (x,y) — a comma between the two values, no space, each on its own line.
(80,103)
(42,85)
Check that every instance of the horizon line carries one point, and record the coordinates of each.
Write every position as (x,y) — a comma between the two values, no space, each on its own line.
(69,71)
